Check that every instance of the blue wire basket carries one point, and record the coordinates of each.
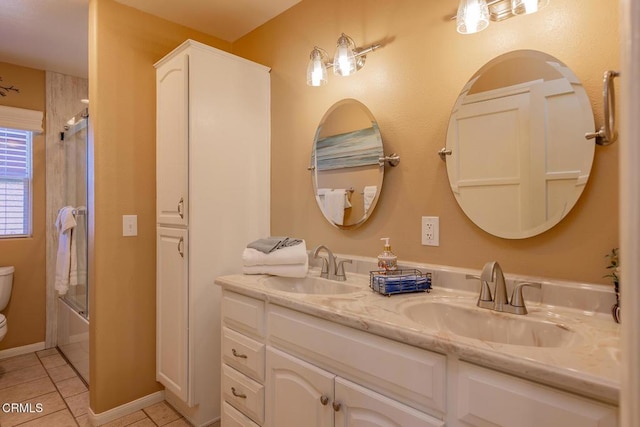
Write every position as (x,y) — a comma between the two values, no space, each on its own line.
(399,281)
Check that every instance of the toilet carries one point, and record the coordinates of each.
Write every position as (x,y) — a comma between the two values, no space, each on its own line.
(6,282)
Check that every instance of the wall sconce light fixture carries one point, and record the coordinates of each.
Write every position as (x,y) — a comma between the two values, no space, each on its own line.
(347,60)
(317,68)
(474,15)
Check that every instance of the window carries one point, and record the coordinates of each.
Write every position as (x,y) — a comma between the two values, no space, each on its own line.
(15,182)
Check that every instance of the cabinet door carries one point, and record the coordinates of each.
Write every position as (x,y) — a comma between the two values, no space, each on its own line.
(487,398)
(360,407)
(172,293)
(298,394)
(172,147)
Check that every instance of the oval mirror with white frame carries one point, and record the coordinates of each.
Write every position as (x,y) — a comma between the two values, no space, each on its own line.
(345,163)
(519,158)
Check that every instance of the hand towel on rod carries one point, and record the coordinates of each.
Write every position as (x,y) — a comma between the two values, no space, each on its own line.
(334,205)
(65,222)
(370,192)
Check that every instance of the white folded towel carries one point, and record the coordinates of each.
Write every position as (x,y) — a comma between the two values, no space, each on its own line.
(293,270)
(370,192)
(334,205)
(64,224)
(289,255)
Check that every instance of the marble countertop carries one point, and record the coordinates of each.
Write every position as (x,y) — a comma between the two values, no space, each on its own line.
(588,365)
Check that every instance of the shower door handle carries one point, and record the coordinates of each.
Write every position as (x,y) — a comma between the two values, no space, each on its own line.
(181,247)
(181,207)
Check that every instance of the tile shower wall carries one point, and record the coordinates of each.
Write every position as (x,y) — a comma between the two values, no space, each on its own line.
(63,95)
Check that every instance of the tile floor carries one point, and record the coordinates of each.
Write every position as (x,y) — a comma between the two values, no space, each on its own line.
(55,396)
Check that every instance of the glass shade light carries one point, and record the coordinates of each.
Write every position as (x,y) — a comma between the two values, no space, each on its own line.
(344,62)
(317,69)
(473,16)
(523,7)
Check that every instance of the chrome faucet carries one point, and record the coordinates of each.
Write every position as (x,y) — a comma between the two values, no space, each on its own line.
(492,273)
(328,265)
(332,269)
(485,300)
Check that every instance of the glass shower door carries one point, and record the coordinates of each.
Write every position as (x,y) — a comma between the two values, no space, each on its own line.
(75,139)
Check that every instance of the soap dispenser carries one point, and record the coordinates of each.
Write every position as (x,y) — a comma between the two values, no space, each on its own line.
(387,261)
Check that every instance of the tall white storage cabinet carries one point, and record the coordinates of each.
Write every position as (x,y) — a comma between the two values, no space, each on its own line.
(213,156)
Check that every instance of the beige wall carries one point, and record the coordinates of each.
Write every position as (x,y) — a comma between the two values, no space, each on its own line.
(123,46)
(410,86)
(26,310)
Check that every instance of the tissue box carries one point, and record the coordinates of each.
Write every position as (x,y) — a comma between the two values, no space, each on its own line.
(399,281)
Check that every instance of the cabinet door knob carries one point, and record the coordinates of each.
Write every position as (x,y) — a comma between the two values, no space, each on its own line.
(336,406)
(324,400)
(237,394)
(181,247)
(236,354)
(181,207)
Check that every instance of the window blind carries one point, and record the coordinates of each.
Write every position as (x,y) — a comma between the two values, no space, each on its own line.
(15,182)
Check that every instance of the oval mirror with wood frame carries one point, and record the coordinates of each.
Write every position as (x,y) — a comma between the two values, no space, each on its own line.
(519,158)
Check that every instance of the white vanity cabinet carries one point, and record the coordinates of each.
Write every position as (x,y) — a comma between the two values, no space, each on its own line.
(326,369)
(212,162)
(284,368)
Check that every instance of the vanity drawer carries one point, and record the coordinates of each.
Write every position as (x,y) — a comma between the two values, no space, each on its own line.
(243,313)
(405,373)
(243,393)
(487,397)
(243,353)
(231,417)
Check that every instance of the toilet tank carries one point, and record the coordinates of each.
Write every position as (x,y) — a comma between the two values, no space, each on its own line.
(6,282)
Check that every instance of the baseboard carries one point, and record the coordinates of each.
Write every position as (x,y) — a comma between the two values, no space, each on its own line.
(17,351)
(123,410)
(196,415)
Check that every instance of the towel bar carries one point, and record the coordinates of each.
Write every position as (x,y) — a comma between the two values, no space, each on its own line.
(607,133)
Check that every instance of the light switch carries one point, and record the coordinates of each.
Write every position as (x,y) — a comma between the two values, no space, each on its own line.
(129,225)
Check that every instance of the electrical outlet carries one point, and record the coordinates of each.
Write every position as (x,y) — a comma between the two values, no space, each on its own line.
(431,231)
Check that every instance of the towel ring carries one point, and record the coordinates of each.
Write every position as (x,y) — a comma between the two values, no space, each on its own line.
(607,133)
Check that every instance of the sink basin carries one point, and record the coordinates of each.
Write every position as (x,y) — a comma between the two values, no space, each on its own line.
(309,285)
(487,325)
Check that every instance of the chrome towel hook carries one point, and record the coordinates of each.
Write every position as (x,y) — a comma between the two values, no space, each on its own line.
(607,133)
